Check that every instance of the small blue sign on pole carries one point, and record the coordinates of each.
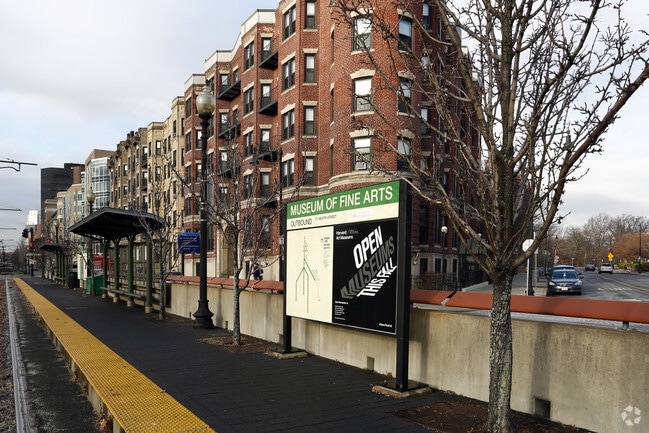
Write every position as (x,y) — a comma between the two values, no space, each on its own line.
(189,243)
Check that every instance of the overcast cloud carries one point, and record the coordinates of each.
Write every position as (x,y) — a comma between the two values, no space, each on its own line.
(76,75)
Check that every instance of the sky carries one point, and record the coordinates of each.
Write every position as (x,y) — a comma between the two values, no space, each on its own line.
(78,75)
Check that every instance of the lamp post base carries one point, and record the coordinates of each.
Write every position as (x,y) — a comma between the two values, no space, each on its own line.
(203,316)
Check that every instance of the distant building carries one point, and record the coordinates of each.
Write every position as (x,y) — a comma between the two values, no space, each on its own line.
(53,181)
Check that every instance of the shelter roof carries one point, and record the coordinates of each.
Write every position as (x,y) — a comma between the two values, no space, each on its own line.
(113,224)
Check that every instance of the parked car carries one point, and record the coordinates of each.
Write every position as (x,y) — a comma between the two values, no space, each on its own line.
(590,267)
(561,267)
(564,281)
(605,267)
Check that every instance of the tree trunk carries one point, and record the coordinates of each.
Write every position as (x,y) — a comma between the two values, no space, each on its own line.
(236,326)
(500,357)
(162,315)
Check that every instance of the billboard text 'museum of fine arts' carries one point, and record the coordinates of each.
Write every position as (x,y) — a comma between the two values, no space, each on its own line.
(341,255)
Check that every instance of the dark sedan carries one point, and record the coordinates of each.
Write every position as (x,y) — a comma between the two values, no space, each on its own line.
(564,281)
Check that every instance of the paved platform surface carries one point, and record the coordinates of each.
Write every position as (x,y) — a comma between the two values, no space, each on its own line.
(233,392)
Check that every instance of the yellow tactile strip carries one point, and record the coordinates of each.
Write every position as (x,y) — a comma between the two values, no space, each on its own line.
(136,403)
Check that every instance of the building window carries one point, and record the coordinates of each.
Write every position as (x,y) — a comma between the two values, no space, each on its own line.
(266,48)
(223,161)
(403,147)
(309,17)
(425,121)
(264,180)
(289,23)
(309,173)
(224,82)
(288,171)
(309,68)
(223,194)
(248,144)
(362,94)
(247,186)
(362,148)
(249,100)
(423,224)
(264,237)
(425,17)
(264,142)
(188,107)
(332,107)
(405,96)
(249,55)
(309,120)
(288,125)
(188,142)
(405,34)
(362,33)
(288,74)
(425,68)
(158,147)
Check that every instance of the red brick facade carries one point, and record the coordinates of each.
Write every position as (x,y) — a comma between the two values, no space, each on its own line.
(257,89)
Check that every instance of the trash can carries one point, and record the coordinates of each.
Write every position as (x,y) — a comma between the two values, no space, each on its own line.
(98,283)
(73,280)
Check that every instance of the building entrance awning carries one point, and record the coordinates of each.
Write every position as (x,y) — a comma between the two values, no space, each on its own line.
(114,224)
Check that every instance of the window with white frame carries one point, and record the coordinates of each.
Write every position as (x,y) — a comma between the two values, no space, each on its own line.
(362,33)
(309,120)
(264,184)
(405,34)
(309,173)
(247,186)
(309,15)
(288,74)
(264,140)
(309,68)
(288,173)
(288,125)
(362,94)
(248,144)
(249,55)
(289,23)
(249,100)
(425,121)
(405,95)
(403,147)
(425,16)
(362,149)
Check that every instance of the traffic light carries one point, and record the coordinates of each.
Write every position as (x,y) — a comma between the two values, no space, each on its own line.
(25,233)
(31,247)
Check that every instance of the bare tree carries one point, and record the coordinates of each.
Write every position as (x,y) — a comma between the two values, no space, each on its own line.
(163,201)
(243,203)
(539,81)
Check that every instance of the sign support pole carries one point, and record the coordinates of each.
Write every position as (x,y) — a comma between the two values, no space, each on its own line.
(403,290)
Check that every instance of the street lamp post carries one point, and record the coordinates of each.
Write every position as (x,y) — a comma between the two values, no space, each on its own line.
(58,253)
(205,105)
(90,198)
(444,231)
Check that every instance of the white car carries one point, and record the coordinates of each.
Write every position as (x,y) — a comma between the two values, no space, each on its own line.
(605,267)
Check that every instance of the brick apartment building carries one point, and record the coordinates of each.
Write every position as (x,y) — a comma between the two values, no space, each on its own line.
(298,85)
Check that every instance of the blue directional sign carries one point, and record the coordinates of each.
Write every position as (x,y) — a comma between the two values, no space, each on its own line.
(189,243)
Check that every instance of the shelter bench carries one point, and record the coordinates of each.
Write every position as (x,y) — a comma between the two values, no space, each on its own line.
(134,295)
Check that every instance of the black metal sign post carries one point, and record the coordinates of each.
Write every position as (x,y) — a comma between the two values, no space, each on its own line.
(403,289)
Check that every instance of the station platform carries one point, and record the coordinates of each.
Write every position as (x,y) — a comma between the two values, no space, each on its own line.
(162,376)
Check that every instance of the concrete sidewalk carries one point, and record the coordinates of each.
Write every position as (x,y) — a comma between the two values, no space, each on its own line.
(519,286)
(238,393)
